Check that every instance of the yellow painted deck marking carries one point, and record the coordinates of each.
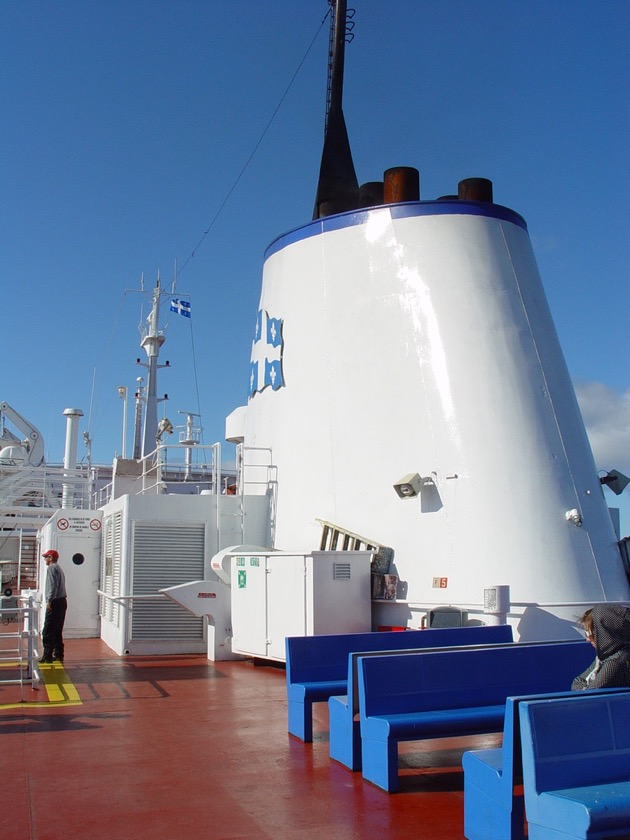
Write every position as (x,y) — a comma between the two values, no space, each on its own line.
(58,685)
(59,688)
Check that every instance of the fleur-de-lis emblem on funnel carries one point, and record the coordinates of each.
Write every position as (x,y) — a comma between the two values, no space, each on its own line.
(268,353)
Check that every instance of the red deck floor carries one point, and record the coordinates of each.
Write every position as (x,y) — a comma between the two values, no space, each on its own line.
(179,747)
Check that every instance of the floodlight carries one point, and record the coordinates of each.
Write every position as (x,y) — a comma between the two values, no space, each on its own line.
(615,481)
(409,486)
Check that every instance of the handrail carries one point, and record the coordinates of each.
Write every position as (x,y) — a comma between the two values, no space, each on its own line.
(470,605)
(43,487)
(24,655)
(158,596)
(172,463)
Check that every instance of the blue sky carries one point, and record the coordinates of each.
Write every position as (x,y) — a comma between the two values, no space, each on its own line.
(135,134)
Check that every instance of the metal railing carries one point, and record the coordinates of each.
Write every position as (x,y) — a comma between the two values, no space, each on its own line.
(18,642)
(201,466)
(30,495)
(169,465)
(255,470)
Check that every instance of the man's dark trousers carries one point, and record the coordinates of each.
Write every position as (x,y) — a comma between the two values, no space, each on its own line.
(52,638)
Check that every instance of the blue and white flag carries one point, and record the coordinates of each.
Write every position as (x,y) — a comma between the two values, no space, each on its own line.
(253,378)
(274,331)
(273,374)
(265,369)
(182,307)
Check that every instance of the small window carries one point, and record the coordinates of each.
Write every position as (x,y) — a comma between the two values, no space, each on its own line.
(78,559)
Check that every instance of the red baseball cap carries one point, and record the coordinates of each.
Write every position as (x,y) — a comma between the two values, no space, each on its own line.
(51,553)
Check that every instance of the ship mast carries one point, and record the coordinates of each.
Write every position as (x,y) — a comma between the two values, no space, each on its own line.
(338,188)
(152,340)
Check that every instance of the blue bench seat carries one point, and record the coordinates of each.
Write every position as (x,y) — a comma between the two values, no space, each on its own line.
(345,735)
(468,721)
(317,666)
(493,805)
(591,811)
(576,767)
(438,694)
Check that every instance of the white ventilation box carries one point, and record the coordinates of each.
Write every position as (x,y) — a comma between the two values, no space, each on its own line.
(279,594)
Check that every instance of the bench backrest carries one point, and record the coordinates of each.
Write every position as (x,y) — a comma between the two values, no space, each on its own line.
(512,760)
(453,679)
(572,743)
(324,658)
(353,664)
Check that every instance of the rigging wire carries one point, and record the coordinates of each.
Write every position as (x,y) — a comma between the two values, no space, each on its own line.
(231,190)
(194,360)
(179,270)
(255,149)
(106,355)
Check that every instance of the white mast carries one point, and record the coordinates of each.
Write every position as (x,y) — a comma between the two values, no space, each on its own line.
(153,338)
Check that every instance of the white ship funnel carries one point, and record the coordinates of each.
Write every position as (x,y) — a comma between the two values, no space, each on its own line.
(415,340)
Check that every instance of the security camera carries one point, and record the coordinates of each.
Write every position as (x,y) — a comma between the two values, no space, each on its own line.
(408,486)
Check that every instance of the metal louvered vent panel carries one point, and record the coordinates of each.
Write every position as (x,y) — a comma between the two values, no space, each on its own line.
(116,567)
(165,555)
(163,620)
(111,569)
(342,571)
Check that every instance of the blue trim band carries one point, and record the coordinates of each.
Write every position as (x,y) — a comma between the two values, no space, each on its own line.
(398,211)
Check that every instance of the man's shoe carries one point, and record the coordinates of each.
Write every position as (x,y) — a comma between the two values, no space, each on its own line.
(57,659)
(45,661)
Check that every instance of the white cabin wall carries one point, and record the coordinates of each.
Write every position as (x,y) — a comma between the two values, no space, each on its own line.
(76,535)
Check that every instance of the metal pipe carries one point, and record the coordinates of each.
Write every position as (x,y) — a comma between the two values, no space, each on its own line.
(401,183)
(123,394)
(475,189)
(159,596)
(70,456)
(137,426)
(371,194)
(72,435)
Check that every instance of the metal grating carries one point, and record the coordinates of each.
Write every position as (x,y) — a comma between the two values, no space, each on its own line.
(165,555)
(342,571)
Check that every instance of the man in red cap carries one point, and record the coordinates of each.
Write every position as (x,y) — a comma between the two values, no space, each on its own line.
(56,606)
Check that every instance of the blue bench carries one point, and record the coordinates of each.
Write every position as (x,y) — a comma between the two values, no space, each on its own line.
(450,693)
(493,808)
(317,666)
(576,767)
(345,735)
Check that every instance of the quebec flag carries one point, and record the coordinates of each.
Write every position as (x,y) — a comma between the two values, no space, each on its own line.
(182,307)
(267,350)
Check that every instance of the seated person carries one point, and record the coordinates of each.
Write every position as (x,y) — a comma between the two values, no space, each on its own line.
(607,628)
